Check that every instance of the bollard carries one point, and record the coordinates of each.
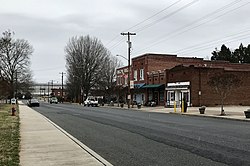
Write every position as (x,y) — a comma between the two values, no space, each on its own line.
(174,106)
(182,106)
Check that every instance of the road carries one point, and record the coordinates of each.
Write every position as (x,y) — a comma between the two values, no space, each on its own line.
(129,137)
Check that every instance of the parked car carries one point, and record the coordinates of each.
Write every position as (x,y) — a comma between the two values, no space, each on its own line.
(33,103)
(53,100)
(91,102)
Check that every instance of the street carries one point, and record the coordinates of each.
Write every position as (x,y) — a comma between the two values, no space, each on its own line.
(129,137)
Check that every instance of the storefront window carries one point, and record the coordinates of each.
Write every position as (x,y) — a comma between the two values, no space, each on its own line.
(150,96)
(171,95)
(161,95)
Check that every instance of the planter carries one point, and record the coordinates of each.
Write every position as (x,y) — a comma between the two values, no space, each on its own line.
(202,109)
(122,105)
(247,113)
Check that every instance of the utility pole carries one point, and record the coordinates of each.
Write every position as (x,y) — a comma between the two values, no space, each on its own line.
(48,92)
(62,73)
(129,47)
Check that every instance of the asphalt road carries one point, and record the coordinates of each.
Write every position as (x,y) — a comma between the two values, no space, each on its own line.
(127,137)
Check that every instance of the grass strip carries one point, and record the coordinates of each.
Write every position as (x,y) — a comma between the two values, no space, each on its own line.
(9,136)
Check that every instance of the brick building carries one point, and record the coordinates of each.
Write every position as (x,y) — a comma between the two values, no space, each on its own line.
(165,78)
(192,82)
(148,73)
(122,83)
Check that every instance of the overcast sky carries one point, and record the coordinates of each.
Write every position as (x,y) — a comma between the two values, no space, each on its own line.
(188,28)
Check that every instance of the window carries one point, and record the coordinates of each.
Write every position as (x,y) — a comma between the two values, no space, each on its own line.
(141,74)
(171,96)
(161,95)
(135,75)
(126,80)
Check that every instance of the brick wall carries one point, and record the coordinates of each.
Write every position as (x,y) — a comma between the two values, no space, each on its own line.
(199,77)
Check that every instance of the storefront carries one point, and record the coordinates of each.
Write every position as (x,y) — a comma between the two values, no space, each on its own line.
(176,92)
(138,93)
(155,93)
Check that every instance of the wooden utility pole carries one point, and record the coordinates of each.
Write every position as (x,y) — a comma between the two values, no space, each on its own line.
(129,47)
(62,73)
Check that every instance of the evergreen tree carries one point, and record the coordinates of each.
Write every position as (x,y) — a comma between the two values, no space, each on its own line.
(224,54)
(239,55)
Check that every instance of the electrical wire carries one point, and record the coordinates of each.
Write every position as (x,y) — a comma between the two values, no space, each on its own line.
(165,17)
(150,17)
(184,29)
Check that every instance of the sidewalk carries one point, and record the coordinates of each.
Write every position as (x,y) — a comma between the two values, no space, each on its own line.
(44,143)
(232,112)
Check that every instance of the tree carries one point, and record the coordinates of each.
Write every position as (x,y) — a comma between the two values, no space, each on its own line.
(239,55)
(224,84)
(15,61)
(223,54)
(108,82)
(88,63)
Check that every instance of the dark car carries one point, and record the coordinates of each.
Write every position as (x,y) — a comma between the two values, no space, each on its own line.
(33,103)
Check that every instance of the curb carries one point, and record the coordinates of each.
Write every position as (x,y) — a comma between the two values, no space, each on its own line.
(211,116)
(84,147)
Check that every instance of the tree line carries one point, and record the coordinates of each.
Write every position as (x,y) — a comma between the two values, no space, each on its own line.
(239,55)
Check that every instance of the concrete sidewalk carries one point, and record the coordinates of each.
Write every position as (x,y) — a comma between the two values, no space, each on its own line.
(232,112)
(44,143)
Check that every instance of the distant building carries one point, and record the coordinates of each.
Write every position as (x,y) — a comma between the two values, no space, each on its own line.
(166,79)
(42,89)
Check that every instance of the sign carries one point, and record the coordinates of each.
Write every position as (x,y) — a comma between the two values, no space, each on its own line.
(131,84)
(129,97)
(13,101)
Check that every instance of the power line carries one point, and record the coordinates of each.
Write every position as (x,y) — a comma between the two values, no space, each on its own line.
(136,25)
(165,17)
(144,21)
(197,46)
(209,46)
(182,29)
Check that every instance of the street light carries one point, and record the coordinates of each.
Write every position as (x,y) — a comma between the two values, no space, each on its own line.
(122,57)
(129,95)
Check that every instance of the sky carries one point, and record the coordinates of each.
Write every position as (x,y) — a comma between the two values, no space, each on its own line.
(186,28)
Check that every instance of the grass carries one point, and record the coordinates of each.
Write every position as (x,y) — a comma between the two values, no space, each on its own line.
(9,136)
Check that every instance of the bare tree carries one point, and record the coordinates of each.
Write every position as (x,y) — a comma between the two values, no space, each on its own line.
(85,60)
(224,84)
(14,60)
(107,82)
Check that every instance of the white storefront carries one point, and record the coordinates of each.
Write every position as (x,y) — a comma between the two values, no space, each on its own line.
(176,92)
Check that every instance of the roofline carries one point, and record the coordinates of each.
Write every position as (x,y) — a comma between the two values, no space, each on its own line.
(154,54)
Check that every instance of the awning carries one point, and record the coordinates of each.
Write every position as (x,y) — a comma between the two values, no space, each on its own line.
(137,86)
(152,86)
(178,86)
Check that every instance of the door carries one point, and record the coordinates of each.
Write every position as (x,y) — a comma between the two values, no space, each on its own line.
(156,97)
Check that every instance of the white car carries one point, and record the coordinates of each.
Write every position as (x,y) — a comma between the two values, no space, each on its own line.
(91,102)
(53,100)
